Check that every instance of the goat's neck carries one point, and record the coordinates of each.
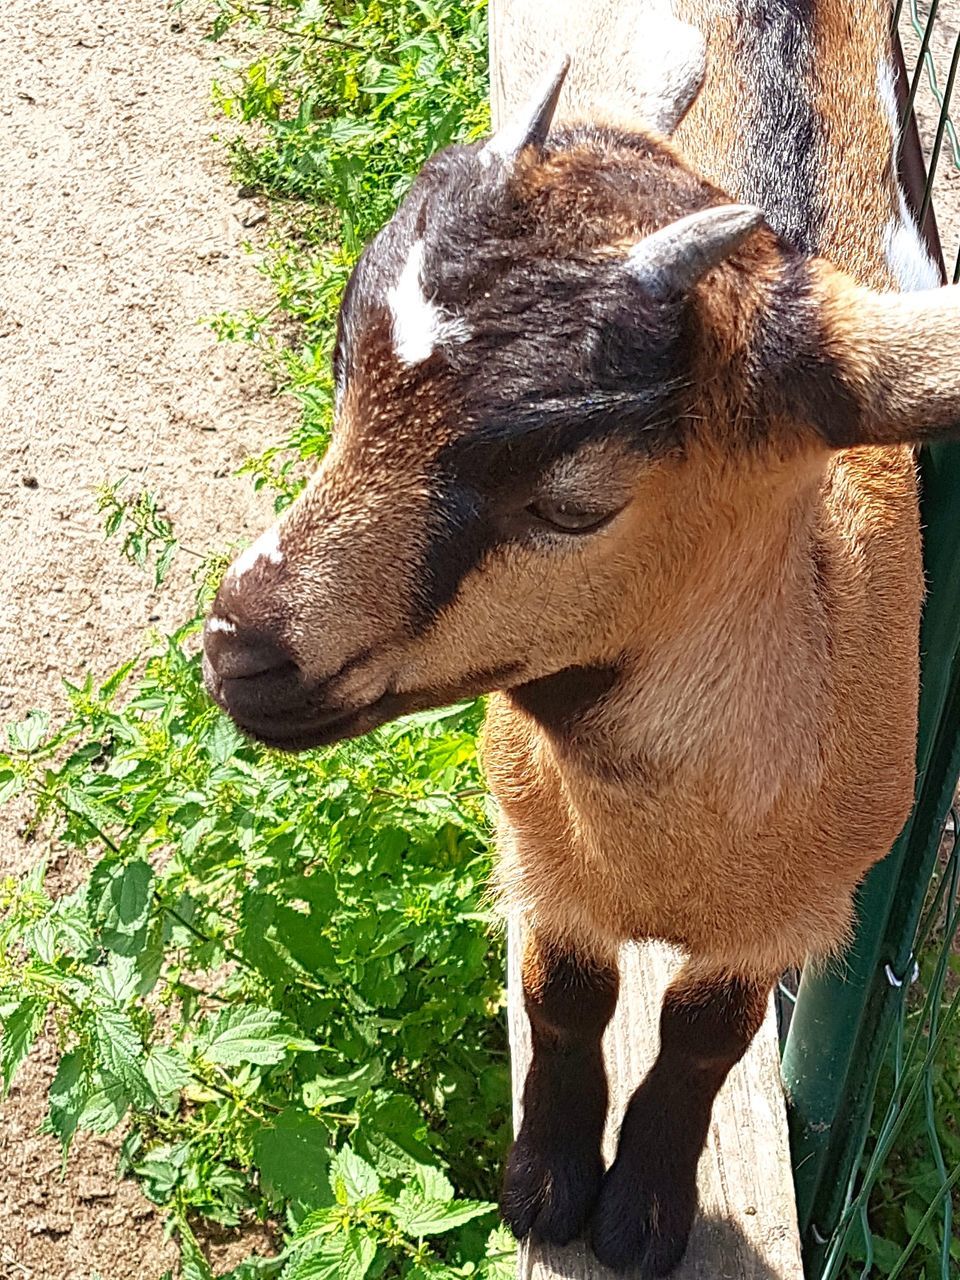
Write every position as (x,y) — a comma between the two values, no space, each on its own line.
(723,685)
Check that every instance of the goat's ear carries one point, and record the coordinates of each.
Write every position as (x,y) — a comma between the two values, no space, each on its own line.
(870,368)
(530,126)
(669,262)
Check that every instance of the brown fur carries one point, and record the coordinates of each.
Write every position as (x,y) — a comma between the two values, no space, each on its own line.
(858,167)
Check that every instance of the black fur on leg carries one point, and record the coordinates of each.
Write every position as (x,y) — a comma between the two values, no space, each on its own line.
(555,1168)
(649,1196)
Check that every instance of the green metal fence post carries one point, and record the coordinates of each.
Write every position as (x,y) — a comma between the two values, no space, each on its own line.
(843,1017)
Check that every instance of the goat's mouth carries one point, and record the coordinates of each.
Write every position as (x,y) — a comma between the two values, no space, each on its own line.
(321,729)
(281,710)
(310,724)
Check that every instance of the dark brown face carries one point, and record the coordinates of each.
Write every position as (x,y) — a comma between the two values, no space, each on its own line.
(510,397)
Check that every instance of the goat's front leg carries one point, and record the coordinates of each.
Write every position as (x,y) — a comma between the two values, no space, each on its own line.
(555,1167)
(649,1195)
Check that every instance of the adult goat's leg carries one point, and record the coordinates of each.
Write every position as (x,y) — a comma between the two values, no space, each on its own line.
(649,1195)
(555,1167)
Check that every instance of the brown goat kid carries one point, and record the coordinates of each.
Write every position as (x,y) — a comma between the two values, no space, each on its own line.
(636,462)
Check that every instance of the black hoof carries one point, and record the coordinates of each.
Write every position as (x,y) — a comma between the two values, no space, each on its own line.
(642,1222)
(549,1196)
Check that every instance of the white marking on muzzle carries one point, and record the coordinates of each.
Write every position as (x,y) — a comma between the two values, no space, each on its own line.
(266,547)
(419,325)
(220,624)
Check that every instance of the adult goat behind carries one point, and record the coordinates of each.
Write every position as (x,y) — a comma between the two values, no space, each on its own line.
(634,457)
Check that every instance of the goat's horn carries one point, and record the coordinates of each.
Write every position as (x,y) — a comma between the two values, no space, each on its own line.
(670,261)
(529,128)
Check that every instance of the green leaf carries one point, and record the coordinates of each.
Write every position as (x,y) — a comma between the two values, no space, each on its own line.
(166,1073)
(254,1268)
(106,1105)
(161,1170)
(118,978)
(11,784)
(318,1225)
(29,733)
(242,1035)
(434,1184)
(193,1265)
(163,562)
(318,1262)
(321,1088)
(293,1155)
(121,1052)
(20,1030)
(100,817)
(886,1253)
(419,1217)
(222,741)
(357,1255)
(113,683)
(501,1255)
(391,1137)
(118,904)
(68,1097)
(149,960)
(344,1256)
(352,1178)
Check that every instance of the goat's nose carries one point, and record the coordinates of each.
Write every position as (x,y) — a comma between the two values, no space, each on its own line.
(250,674)
(239,653)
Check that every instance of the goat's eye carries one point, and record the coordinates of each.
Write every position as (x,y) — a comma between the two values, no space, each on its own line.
(569,516)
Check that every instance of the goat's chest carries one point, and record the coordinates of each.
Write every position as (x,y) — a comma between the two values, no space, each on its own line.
(596,862)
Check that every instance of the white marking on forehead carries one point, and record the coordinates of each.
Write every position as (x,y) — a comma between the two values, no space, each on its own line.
(266,547)
(220,624)
(419,325)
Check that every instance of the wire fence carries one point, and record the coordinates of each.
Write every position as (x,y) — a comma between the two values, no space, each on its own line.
(872,1054)
(903,1182)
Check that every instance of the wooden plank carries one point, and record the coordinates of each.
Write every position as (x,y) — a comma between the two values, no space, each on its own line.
(747,1228)
(614,48)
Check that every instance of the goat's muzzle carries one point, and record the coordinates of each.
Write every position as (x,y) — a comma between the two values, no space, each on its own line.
(267,695)
(259,684)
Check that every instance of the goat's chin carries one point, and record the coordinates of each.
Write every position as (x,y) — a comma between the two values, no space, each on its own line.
(326,730)
(294,736)
(315,727)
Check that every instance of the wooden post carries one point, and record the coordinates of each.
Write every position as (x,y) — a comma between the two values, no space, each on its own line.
(614,47)
(747,1229)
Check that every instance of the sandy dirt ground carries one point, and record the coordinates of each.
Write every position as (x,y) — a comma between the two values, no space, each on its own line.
(119,229)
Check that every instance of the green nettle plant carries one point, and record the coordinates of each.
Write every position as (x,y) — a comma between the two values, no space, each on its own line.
(278,972)
(277,976)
